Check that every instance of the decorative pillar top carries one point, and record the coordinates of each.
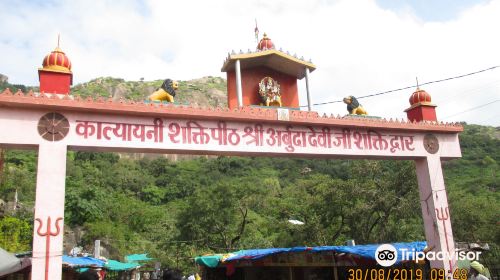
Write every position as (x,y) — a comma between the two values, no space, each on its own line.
(265,43)
(420,96)
(421,108)
(55,75)
(57,61)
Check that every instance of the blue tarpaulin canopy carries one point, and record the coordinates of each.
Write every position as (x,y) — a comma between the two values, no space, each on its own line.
(82,261)
(365,251)
(368,251)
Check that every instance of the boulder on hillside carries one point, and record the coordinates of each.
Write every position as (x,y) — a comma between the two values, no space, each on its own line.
(4,79)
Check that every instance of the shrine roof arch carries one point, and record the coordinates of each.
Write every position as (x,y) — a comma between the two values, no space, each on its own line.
(271,58)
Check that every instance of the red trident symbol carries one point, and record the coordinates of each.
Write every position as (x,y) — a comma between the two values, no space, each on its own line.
(443,215)
(48,233)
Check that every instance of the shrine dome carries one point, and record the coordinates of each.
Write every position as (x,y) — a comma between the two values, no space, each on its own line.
(420,96)
(265,43)
(57,61)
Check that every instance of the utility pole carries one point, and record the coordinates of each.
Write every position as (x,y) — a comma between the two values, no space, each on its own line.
(2,161)
(97,249)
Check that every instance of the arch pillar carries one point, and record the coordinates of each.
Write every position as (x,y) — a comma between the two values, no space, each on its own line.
(48,229)
(435,211)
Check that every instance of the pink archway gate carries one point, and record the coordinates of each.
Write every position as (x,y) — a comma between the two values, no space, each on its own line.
(53,125)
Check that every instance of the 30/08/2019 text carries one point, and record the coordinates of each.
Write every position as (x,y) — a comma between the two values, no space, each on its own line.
(403,274)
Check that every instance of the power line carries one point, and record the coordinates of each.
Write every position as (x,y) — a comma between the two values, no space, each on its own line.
(471,109)
(412,86)
(439,99)
(149,241)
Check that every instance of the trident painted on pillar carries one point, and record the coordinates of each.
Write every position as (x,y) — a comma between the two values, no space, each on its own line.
(48,234)
(443,215)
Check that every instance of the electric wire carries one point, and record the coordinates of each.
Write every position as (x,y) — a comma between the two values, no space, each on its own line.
(472,109)
(149,241)
(463,92)
(412,86)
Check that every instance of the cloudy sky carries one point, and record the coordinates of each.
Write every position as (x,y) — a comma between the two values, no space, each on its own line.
(360,47)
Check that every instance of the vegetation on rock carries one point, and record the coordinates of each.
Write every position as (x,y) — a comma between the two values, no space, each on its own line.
(207,91)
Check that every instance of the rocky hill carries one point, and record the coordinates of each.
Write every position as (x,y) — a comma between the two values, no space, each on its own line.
(4,79)
(206,91)
(4,83)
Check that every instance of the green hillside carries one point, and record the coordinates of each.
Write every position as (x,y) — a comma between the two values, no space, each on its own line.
(207,91)
(178,209)
(4,84)
(204,92)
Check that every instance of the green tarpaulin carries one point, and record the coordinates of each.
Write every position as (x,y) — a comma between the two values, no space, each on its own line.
(210,261)
(137,258)
(119,266)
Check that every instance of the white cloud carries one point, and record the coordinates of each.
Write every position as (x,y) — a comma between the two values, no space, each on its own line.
(358,47)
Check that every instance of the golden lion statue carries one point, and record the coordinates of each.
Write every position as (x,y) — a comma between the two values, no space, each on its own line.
(269,91)
(165,92)
(353,106)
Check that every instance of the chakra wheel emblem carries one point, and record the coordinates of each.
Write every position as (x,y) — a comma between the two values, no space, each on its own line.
(53,127)
(431,143)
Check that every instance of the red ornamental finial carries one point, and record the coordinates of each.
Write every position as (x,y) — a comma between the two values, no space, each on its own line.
(420,96)
(265,43)
(57,60)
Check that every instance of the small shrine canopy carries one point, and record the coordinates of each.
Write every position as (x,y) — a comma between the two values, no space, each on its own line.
(271,58)
(363,251)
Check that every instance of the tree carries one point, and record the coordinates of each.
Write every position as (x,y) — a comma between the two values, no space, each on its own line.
(475,217)
(214,214)
(387,203)
(83,204)
(15,234)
